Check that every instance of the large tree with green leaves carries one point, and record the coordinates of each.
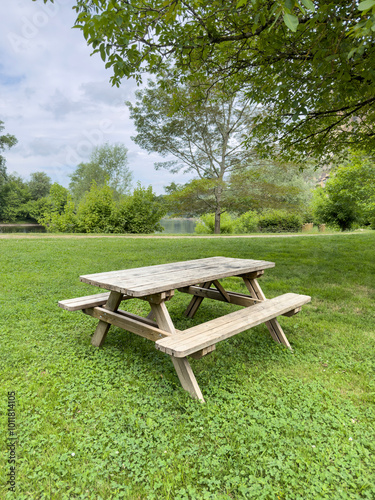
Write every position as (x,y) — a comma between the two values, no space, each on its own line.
(6,142)
(311,64)
(107,164)
(205,139)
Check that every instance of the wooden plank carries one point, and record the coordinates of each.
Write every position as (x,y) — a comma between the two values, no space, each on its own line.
(221,289)
(273,325)
(187,377)
(202,336)
(238,299)
(181,365)
(163,318)
(154,279)
(114,300)
(293,312)
(82,302)
(203,352)
(146,320)
(195,302)
(127,322)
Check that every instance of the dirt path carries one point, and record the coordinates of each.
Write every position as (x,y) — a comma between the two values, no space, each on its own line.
(172,236)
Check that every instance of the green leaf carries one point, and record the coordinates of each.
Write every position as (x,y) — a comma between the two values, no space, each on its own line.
(240,3)
(308,4)
(367,4)
(291,21)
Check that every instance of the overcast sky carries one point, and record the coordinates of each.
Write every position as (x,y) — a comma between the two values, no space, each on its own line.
(57,99)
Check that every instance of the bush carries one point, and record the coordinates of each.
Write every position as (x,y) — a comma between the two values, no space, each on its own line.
(278,221)
(247,222)
(141,212)
(97,212)
(206,224)
(348,199)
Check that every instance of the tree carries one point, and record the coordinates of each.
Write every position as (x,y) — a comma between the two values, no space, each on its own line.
(272,185)
(6,142)
(349,195)
(15,199)
(310,64)
(39,185)
(205,139)
(108,164)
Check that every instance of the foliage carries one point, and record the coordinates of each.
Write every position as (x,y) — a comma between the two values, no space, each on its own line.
(247,222)
(272,184)
(100,212)
(206,224)
(97,211)
(277,221)
(15,196)
(39,185)
(142,211)
(311,64)
(56,212)
(204,138)
(6,142)
(108,165)
(114,422)
(349,195)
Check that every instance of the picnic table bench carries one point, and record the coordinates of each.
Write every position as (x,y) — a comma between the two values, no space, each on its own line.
(157,285)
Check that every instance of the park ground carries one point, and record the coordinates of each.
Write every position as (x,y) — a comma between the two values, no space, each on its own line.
(114,422)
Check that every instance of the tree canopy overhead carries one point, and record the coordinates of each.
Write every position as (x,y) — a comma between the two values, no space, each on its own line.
(311,64)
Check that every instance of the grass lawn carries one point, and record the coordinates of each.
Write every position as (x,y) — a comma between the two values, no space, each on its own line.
(114,422)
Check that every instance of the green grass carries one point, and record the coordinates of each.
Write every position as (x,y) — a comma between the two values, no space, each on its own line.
(115,423)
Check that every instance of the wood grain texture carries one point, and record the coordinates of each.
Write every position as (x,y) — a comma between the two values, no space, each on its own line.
(129,322)
(149,280)
(211,332)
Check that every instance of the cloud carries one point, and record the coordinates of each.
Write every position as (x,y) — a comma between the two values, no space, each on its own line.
(57,100)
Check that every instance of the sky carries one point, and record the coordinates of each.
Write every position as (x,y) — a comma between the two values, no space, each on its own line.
(57,99)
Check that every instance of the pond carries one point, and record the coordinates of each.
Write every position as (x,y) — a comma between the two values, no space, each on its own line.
(21,228)
(178,226)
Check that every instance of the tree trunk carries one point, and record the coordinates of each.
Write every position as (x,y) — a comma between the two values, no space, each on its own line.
(217,221)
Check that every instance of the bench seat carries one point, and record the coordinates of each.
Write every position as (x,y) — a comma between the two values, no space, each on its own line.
(207,334)
(99,299)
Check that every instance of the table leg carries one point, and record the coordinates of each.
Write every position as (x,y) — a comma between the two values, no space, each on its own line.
(273,325)
(195,302)
(101,331)
(181,365)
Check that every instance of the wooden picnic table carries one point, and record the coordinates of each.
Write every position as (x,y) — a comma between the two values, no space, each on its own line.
(199,278)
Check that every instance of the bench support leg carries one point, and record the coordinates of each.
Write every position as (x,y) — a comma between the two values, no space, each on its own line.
(273,325)
(187,377)
(195,302)
(181,365)
(101,331)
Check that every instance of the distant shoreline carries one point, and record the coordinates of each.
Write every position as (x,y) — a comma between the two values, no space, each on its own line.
(21,225)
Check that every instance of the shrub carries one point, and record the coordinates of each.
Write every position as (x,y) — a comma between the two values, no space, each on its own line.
(278,221)
(141,212)
(247,222)
(206,224)
(97,211)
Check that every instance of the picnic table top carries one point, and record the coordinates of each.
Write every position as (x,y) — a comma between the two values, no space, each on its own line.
(142,281)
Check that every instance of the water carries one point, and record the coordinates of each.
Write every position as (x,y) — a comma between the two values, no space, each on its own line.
(21,228)
(178,226)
